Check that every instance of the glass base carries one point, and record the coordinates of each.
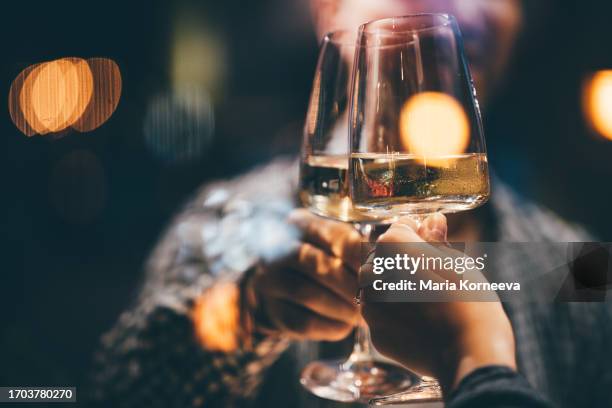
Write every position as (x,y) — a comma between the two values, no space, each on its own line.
(428,390)
(354,381)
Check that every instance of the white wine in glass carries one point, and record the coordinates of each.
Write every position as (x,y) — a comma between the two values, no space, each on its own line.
(388,184)
(325,188)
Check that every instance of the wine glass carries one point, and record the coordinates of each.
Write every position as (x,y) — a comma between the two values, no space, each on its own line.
(416,138)
(324,190)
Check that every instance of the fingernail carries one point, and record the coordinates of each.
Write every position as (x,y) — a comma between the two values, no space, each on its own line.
(436,227)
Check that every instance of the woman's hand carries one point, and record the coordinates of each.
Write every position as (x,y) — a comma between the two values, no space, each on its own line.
(310,293)
(444,340)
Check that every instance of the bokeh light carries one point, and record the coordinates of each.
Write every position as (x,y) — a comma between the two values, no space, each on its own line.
(197,55)
(433,125)
(106,93)
(216,318)
(55,94)
(50,97)
(80,83)
(17,115)
(597,103)
(179,124)
(45,97)
(25,102)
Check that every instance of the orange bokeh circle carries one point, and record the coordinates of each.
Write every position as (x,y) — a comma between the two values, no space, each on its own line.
(52,96)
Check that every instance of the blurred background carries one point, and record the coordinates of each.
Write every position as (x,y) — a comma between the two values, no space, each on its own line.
(207,90)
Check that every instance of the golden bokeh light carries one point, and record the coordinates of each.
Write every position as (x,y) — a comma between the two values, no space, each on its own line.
(434,125)
(597,103)
(106,93)
(52,96)
(80,81)
(49,96)
(15,111)
(216,318)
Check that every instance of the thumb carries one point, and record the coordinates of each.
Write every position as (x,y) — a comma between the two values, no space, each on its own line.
(434,228)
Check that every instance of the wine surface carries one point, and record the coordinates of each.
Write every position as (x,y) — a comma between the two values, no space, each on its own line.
(324,189)
(401,184)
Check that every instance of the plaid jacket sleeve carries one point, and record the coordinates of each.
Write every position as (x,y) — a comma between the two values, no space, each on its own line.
(151,356)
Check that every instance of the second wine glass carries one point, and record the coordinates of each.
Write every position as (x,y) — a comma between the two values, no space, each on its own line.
(417,144)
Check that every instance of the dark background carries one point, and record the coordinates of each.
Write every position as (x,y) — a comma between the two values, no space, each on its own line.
(65,277)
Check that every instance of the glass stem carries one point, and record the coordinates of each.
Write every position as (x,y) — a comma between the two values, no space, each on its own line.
(362,348)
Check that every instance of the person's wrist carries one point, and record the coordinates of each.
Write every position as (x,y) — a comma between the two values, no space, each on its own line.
(478,348)
(474,348)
